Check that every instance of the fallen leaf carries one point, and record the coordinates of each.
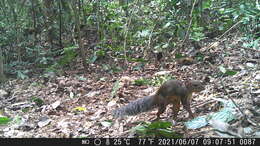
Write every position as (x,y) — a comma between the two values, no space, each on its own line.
(79,109)
(44,121)
(106,123)
(56,104)
(162,73)
(92,93)
(111,103)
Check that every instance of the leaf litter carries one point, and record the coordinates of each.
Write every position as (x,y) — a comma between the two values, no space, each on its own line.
(81,105)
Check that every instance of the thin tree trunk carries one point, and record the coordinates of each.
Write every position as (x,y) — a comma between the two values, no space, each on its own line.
(2,75)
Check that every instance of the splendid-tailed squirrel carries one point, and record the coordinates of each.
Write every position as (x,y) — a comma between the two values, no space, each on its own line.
(172,92)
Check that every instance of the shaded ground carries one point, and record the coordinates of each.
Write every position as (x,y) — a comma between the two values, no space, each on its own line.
(80,105)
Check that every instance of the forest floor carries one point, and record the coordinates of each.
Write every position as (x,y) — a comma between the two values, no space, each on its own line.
(81,105)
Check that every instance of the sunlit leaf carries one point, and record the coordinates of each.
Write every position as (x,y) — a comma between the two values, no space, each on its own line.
(4,120)
(79,109)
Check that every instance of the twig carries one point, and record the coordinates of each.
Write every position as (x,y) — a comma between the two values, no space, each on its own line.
(229,29)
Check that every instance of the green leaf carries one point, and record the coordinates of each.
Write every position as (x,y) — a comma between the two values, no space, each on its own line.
(230,72)
(160,124)
(206,4)
(21,75)
(141,81)
(37,100)
(68,55)
(139,129)
(178,56)
(156,129)
(100,53)
(227,71)
(4,120)
(167,133)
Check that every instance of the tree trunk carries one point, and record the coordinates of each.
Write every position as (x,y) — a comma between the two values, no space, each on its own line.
(2,75)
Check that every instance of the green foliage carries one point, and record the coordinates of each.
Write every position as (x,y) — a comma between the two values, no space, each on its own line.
(97,55)
(44,62)
(53,68)
(199,56)
(141,81)
(197,34)
(250,43)
(22,74)
(18,69)
(156,129)
(178,55)
(37,101)
(25,110)
(227,71)
(4,120)
(121,28)
(68,55)
(142,60)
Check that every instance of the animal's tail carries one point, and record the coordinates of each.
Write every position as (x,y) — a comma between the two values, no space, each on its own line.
(133,108)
